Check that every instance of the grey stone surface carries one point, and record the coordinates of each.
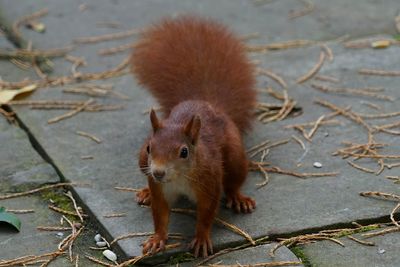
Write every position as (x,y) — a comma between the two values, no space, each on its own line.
(252,255)
(286,204)
(20,164)
(385,253)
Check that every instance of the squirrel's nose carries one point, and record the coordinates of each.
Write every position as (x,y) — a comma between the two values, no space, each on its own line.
(159,174)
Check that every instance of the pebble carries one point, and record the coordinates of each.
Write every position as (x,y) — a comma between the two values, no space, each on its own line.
(98,238)
(60,234)
(381,251)
(317,164)
(101,244)
(110,255)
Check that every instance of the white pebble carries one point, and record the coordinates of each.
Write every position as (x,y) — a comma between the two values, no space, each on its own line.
(98,238)
(110,255)
(60,234)
(381,251)
(317,164)
(101,244)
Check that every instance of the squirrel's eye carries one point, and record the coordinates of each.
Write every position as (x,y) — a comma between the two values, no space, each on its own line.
(148,149)
(184,152)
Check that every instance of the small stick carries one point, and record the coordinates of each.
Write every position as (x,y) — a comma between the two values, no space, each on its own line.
(99,261)
(127,189)
(328,51)
(363,242)
(354,165)
(309,7)
(71,113)
(379,116)
(70,196)
(114,50)
(266,177)
(372,105)
(106,37)
(53,228)
(315,127)
(386,196)
(298,140)
(20,211)
(65,212)
(273,76)
(274,144)
(382,232)
(392,215)
(314,69)
(36,190)
(90,136)
(87,157)
(279,46)
(379,72)
(114,215)
(25,19)
(351,91)
(325,78)
(253,148)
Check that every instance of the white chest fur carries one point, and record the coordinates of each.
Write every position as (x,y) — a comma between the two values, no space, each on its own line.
(178,187)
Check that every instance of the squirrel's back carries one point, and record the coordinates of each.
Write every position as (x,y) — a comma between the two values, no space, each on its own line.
(190,58)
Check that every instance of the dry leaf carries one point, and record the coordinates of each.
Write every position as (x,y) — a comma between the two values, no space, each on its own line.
(7,95)
(381,44)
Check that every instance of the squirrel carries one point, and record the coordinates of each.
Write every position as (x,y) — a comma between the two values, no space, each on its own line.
(199,73)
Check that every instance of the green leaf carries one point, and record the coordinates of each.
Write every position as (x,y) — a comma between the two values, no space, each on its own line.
(10,219)
(397,37)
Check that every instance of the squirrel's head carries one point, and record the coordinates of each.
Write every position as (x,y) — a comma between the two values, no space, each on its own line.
(171,148)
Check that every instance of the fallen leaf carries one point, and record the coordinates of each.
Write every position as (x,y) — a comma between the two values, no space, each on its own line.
(10,219)
(7,95)
(381,44)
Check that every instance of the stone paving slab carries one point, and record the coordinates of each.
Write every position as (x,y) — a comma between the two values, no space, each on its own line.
(20,164)
(250,256)
(385,253)
(287,204)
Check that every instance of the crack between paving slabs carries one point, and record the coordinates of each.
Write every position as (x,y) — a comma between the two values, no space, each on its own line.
(43,154)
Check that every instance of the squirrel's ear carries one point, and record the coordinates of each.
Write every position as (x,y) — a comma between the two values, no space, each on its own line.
(192,129)
(155,123)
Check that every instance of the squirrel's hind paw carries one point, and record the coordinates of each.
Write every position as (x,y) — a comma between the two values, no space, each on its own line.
(241,203)
(143,197)
(154,244)
(201,245)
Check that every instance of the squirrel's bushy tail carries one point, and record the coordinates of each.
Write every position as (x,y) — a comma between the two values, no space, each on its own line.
(189,58)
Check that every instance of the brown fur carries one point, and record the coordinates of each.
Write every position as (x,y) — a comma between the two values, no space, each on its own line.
(198,72)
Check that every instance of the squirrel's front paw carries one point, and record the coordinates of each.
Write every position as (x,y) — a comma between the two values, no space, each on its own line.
(201,244)
(154,244)
(240,203)
(143,197)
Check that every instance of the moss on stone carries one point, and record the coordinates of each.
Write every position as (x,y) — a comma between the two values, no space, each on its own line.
(299,252)
(181,257)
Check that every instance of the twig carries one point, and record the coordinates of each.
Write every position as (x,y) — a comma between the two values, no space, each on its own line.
(90,136)
(379,72)
(114,50)
(70,196)
(360,167)
(20,211)
(65,212)
(37,190)
(25,19)
(325,78)
(71,113)
(127,189)
(351,91)
(386,196)
(273,76)
(298,140)
(266,177)
(328,51)
(279,46)
(114,215)
(392,214)
(363,242)
(314,69)
(382,232)
(106,37)
(53,228)
(315,127)
(309,7)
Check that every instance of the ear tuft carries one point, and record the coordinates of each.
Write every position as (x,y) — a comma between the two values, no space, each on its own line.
(192,128)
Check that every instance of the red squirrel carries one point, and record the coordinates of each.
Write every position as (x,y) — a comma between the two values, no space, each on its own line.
(199,73)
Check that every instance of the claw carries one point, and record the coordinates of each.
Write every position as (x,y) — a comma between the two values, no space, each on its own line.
(202,244)
(240,203)
(154,244)
(143,197)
